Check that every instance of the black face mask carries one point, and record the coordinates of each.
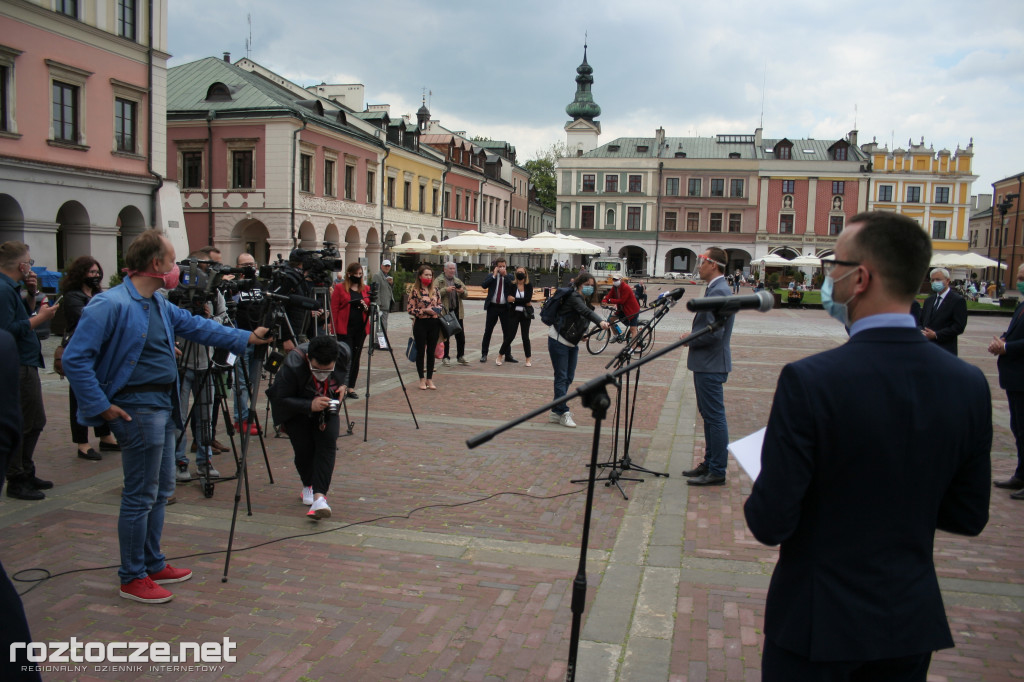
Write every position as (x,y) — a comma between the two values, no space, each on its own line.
(356,280)
(94,282)
(520,275)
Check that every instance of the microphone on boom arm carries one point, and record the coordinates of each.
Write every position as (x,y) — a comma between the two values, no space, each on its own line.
(295,300)
(762,302)
(669,297)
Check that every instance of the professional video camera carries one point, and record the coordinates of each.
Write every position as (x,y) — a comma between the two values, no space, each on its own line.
(195,287)
(319,265)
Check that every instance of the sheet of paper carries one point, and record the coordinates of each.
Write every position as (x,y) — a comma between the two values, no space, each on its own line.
(747,451)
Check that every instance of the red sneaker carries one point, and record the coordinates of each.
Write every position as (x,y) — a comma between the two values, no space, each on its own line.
(145,591)
(170,574)
(253,429)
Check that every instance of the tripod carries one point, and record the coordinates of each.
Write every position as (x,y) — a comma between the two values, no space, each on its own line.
(379,337)
(616,467)
(594,395)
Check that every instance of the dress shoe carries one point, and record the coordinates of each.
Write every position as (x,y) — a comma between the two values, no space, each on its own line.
(699,470)
(1012,483)
(217,446)
(353,395)
(511,359)
(20,490)
(90,454)
(110,447)
(1019,495)
(707,479)
(483,358)
(39,484)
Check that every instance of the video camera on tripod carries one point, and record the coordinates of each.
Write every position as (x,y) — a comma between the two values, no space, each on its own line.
(319,265)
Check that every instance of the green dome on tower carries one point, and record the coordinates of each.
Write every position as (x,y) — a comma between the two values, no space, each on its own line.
(583,106)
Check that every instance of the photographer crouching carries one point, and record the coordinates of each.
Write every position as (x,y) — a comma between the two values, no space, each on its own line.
(304,400)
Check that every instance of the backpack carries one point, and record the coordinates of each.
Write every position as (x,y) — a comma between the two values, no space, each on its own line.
(552,308)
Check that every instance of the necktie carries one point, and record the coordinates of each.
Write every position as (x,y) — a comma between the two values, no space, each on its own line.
(498,298)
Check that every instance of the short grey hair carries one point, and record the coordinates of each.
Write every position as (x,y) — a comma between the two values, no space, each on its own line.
(942,271)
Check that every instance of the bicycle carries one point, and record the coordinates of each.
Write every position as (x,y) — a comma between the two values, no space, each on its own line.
(598,339)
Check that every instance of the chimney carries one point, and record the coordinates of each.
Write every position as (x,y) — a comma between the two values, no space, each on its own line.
(227,57)
(659,140)
(852,138)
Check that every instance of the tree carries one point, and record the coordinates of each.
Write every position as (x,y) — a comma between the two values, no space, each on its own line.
(542,173)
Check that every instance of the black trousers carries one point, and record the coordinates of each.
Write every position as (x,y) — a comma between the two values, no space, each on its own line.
(79,433)
(20,464)
(425,332)
(495,314)
(355,342)
(315,450)
(460,342)
(1016,401)
(14,628)
(780,665)
(518,322)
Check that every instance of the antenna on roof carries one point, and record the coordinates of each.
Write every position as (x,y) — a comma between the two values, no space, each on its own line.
(764,79)
(248,41)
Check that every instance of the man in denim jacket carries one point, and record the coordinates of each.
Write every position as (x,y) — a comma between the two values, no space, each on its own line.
(121,364)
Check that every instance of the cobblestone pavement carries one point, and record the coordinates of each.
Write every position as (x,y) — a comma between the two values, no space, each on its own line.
(476,583)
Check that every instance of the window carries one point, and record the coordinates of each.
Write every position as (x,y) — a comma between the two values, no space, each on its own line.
(633,218)
(371,185)
(736,187)
(672,187)
(191,170)
(784,152)
(329,177)
(68,7)
(939,229)
(670,221)
(692,221)
(350,182)
(65,112)
(693,187)
(716,222)
(634,183)
(718,188)
(458,203)
(305,172)
(423,199)
(838,187)
(407,196)
(839,153)
(433,201)
(447,204)
(885,192)
(587,218)
(788,186)
(588,182)
(610,218)
(126,19)
(835,225)
(241,169)
(941,195)
(786,223)
(466,207)
(611,183)
(391,195)
(735,221)
(913,195)
(124,125)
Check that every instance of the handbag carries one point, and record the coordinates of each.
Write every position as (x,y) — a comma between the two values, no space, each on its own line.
(58,354)
(439,350)
(410,350)
(528,312)
(450,324)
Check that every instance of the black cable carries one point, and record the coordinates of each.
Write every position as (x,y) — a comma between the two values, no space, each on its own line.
(48,576)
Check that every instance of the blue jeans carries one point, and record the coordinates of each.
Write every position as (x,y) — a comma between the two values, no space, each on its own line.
(251,365)
(147,458)
(711,405)
(563,359)
(189,379)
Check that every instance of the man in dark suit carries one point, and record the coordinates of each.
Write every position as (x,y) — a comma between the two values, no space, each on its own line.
(710,361)
(857,473)
(1009,348)
(944,314)
(498,285)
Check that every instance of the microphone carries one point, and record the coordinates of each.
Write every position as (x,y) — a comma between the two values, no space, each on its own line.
(665,297)
(762,302)
(295,300)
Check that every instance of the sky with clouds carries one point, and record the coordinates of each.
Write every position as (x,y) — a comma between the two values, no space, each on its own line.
(939,69)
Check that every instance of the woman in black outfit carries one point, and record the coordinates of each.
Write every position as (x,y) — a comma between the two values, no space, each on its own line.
(350,313)
(425,309)
(520,302)
(82,281)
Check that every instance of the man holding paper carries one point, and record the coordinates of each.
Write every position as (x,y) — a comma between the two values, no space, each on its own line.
(862,461)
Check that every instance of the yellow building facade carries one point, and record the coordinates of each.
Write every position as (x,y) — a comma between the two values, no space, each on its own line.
(933,188)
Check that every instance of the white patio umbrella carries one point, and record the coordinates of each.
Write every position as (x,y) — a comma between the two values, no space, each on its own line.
(771,260)
(470,241)
(804,261)
(580,246)
(415,246)
(963,260)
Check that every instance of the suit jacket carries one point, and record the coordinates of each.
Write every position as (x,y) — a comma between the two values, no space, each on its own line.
(862,461)
(527,295)
(710,353)
(948,322)
(490,283)
(446,301)
(1011,364)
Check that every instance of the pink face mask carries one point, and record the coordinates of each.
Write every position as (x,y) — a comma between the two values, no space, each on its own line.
(426,280)
(170,279)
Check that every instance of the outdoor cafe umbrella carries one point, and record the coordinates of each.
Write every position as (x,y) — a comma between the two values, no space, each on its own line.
(470,241)
(971,261)
(414,246)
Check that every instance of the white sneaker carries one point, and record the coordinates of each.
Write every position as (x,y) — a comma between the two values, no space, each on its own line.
(209,469)
(446,362)
(554,418)
(307,495)
(181,474)
(566,420)
(319,510)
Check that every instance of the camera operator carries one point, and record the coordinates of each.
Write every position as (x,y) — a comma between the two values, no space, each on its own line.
(304,399)
(385,291)
(294,281)
(249,299)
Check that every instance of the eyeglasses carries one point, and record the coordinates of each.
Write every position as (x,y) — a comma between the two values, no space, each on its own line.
(29,262)
(830,264)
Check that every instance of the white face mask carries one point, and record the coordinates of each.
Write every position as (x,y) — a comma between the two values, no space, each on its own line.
(321,375)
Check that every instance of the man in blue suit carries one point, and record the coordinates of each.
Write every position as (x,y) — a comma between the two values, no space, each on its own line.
(710,361)
(1009,348)
(857,473)
(499,285)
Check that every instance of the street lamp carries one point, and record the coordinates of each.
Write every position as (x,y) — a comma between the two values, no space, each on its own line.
(1004,208)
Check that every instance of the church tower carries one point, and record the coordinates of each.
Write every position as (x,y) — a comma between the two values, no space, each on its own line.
(423,116)
(582,131)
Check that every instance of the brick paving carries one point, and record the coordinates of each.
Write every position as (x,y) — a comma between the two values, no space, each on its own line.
(481,591)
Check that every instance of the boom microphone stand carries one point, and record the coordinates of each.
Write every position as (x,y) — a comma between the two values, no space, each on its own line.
(377,328)
(594,395)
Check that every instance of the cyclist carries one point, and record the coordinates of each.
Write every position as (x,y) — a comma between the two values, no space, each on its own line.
(622,297)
